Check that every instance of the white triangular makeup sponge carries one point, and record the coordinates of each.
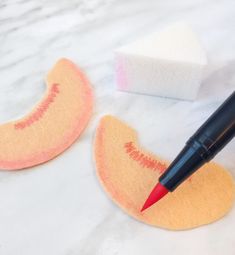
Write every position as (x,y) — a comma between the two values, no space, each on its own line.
(168,63)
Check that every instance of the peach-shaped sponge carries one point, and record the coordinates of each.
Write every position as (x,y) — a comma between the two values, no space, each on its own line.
(128,173)
(53,125)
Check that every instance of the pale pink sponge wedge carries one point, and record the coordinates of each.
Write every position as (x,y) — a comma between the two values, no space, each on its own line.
(53,125)
(169,64)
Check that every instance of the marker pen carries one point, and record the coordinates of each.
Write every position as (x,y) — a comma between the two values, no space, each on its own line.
(208,140)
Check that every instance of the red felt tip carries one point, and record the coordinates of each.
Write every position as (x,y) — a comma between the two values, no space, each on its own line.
(157,193)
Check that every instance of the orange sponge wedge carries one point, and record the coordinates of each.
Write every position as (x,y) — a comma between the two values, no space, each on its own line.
(53,125)
(128,173)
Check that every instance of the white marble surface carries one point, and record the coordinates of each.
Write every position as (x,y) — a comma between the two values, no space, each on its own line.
(43,210)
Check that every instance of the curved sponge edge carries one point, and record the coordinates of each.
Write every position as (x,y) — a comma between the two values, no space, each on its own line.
(128,173)
(54,123)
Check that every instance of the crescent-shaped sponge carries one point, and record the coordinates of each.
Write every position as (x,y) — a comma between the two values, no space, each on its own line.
(53,125)
(128,173)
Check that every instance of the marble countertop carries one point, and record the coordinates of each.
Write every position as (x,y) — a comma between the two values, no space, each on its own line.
(43,210)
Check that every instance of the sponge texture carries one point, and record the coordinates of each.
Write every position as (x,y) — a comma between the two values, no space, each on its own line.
(53,125)
(169,63)
(128,173)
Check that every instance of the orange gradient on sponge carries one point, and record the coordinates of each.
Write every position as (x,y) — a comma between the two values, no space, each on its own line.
(54,123)
(128,173)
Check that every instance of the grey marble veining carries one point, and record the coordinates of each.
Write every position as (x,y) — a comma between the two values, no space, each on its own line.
(42,210)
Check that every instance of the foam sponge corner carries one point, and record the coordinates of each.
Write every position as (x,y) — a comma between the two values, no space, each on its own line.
(168,63)
(54,123)
(128,173)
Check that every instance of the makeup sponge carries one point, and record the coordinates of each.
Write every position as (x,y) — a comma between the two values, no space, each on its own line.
(53,125)
(169,64)
(128,173)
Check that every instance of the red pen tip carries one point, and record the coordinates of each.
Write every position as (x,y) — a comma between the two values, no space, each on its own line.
(157,193)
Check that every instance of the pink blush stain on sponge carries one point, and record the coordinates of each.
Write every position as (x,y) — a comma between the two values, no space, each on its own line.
(121,75)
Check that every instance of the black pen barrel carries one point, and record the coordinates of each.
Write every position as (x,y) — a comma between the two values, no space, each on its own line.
(208,140)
